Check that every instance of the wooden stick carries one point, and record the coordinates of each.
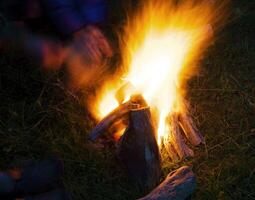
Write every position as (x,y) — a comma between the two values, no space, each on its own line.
(120,113)
(188,126)
(178,185)
(116,115)
(181,148)
(190,130)
(170,149)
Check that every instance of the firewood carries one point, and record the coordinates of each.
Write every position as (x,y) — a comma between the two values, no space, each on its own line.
(138,150)
(188,126)
(178,185)
(116,115)
(178,142)
(190,130)
(170,149)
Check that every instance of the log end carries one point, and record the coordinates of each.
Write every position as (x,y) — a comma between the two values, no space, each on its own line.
(178,185)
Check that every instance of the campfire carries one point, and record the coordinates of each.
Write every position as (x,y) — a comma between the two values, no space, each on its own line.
(146,106)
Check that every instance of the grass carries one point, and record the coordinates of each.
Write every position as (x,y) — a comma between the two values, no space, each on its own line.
(38,118)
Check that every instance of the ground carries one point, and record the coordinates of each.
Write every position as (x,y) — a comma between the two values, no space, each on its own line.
(38,118)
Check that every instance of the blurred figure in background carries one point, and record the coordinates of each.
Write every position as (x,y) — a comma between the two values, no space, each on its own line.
(59,32)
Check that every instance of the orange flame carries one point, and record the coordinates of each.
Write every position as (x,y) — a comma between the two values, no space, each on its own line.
(161,46)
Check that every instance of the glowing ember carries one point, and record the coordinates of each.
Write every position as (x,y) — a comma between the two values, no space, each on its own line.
(162,44)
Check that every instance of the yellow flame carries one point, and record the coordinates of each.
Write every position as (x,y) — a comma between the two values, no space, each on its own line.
(105,101)
(161,45)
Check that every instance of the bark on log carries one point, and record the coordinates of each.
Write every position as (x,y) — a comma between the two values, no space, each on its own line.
(138,149)
(178,185)
(190,130)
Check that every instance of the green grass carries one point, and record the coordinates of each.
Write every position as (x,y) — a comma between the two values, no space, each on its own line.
(38,118)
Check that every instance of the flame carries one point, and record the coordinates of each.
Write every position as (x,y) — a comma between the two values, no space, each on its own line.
(106,101)
(161,47)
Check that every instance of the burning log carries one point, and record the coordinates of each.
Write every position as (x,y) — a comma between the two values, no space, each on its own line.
(178,185)
(174,142)
(181,123)
(138,149)
(116,115)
